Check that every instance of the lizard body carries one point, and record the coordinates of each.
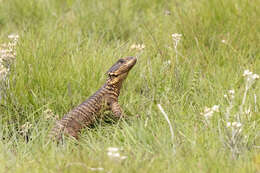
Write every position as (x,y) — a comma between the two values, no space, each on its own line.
(105,98)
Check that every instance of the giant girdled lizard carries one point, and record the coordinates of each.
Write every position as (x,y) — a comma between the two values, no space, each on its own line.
(106,98)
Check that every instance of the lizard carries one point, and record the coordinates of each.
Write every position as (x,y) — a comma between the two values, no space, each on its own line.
(106,98)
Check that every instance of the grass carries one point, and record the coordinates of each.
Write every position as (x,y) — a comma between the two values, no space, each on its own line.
(64,50)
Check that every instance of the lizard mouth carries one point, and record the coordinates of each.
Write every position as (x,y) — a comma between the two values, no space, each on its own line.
(131,62)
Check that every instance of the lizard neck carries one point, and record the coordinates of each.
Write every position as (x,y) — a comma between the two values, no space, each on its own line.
(115,87)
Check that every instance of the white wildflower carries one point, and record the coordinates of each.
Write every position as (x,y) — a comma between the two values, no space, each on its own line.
(250,78)
(208,112)
(123,157)
(137,46)
(167,12)
(231,92)
(224,41)
(113,153)
(13,36)
(96,169)
(228,124)
(176,37)
(7,53)
(112,149)
(215,108)
(255,76)
(236,124)
(247,73)
(166,63)
(239,125)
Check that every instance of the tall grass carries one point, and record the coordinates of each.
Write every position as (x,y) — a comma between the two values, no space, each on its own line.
(65,48)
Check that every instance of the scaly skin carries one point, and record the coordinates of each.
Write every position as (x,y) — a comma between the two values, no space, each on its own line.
(106,98)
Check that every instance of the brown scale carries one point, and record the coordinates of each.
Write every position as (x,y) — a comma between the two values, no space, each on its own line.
(105,98)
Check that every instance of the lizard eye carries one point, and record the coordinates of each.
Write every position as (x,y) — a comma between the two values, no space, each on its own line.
(121,60)
(112,74)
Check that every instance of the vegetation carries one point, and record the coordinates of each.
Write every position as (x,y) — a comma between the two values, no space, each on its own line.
(198,66)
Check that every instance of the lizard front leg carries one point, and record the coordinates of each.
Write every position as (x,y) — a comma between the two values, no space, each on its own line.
(116,110)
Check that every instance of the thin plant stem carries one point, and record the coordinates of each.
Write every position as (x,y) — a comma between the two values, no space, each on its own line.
(168,121)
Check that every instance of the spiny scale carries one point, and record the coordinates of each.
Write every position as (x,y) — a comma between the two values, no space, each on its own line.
(107,96)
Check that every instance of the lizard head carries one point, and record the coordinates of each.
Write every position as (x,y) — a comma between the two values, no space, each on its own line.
(119,71)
